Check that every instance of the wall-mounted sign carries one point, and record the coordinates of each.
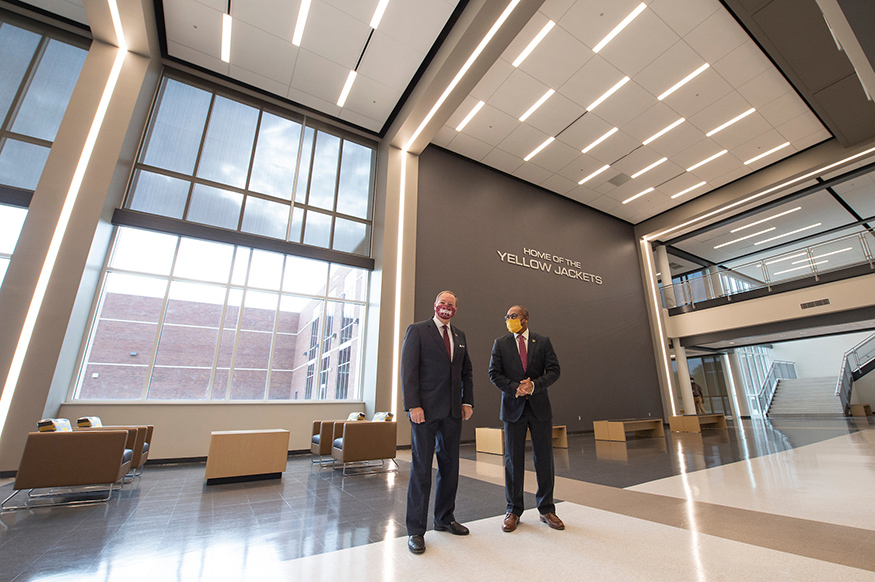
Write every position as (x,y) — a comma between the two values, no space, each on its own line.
(549,263)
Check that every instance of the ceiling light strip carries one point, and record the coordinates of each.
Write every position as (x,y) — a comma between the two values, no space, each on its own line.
(796,256)
(226,37)
(780,186)
(648,168)
(301,23)
(774,216)
(600,140)
(492,31)
(639,195)
(539,148)
(663,132)
(690,189)
(470,115)
(802,267)
(537,104)
(732,242)
(809,227)
(705,161)
(730,122)
(535,42)
(684,81)
(346,88)
(594,174)
(768,153)
(378,13)
(805,260)
(638,10)
(607,94)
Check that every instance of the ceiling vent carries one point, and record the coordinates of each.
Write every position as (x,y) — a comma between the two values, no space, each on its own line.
(811,304)
(620,179)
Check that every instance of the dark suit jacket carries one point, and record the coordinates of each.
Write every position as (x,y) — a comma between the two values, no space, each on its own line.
(428,378)
(506,372)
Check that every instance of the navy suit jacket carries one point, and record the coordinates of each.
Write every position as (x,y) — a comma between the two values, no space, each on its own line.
(506,372)
(428,379)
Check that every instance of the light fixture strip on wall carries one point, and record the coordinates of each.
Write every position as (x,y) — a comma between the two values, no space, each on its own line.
(690,189)
(730,122)
(774,216)
(539,148)
(600,140)
(594,174)
(535,42)
(608,93)
(537,104)
(303,11)
(350,79)
(470,115)
(705,161)
(648,168)
(378,13)
(659,134)
(638,10)
(768,153)
(809,227)
(684,81)
(639,195)
(732,242)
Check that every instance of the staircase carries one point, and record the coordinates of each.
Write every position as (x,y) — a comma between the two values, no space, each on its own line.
(806,397)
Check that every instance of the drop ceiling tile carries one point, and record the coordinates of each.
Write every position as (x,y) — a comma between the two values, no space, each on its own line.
(556,9)
(590,22)
(361,120)
(583,194)
(764,88)
(613,148)
(742,64)
(275,17)
(371,99)
(717,36)
(529,31)
(714,169)
(677,140)
(760,144)
(604,203)
(668,68)
(584,131)
(649,122)
(555,156)
(627,103)
(503,161)
(783,109)
(321,77)
(732,175)
(683,182)
(390,62)
(860,196)
(719,112)
(522,140)
(684,15)
(74,11)
(699,93)
(207,61)
(555,114)
(558,184)
(248,47)
(532,173)
(313,102)
(518,93)
(492,80)
(640,43)
(489,125)
(416,23)
(750,127)
(443,137)
(194,25)
(469,147)
(363,10)
(256,80)
(334,35)
(814,138)
(591,81)
(556,58)
(800,127)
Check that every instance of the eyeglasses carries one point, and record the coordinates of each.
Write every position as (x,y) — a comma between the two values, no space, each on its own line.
(514,316)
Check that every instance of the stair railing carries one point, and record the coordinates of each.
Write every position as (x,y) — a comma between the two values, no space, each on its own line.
(778,371)
(852,363)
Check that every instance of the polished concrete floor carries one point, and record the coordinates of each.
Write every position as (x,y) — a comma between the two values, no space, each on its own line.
(779,500)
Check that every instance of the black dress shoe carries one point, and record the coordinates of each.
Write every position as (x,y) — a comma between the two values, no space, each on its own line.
(416,544)
(454,527)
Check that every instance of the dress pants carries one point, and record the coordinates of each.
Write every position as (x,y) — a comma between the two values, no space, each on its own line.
(515,461)
(433,437)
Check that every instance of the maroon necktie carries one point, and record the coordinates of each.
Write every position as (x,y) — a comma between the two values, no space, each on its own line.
(523,353)
(447,342)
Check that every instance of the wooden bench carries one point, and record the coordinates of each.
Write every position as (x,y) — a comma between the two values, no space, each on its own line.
(615,430)
(491,440)
(861,410)
(247,455)
(695,422)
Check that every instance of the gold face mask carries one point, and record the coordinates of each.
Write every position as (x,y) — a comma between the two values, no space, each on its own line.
(513,325)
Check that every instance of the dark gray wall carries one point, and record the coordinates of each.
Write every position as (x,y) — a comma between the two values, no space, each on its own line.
(466,214)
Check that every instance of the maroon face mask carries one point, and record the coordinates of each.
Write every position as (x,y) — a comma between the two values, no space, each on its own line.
(445,311)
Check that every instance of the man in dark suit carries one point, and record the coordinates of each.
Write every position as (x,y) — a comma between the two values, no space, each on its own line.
(437,382)
(522,366)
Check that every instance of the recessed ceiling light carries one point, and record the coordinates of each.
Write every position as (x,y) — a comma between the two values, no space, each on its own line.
(600,140)
(301,23)
(608,93)
(648,168)
(745,237)
(788,233)
(537,104)
(639,195)
(539,148)
(378,13)
(617,29)
(798,268)
(663,132)
(690,189)
(535,41)
(226,37)
(684,81)
(703,162)
(796,256)
(730,122)
(350,79)
(470,115)
(770,152)
(594,174)
(786,212)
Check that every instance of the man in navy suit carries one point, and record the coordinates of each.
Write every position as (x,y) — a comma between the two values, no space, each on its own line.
(437,382)
(523,366)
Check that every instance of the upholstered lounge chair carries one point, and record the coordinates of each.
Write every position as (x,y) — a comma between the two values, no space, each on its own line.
(362,444)
(71,466)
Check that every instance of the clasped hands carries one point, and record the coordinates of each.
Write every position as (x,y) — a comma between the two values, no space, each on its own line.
(525,388)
